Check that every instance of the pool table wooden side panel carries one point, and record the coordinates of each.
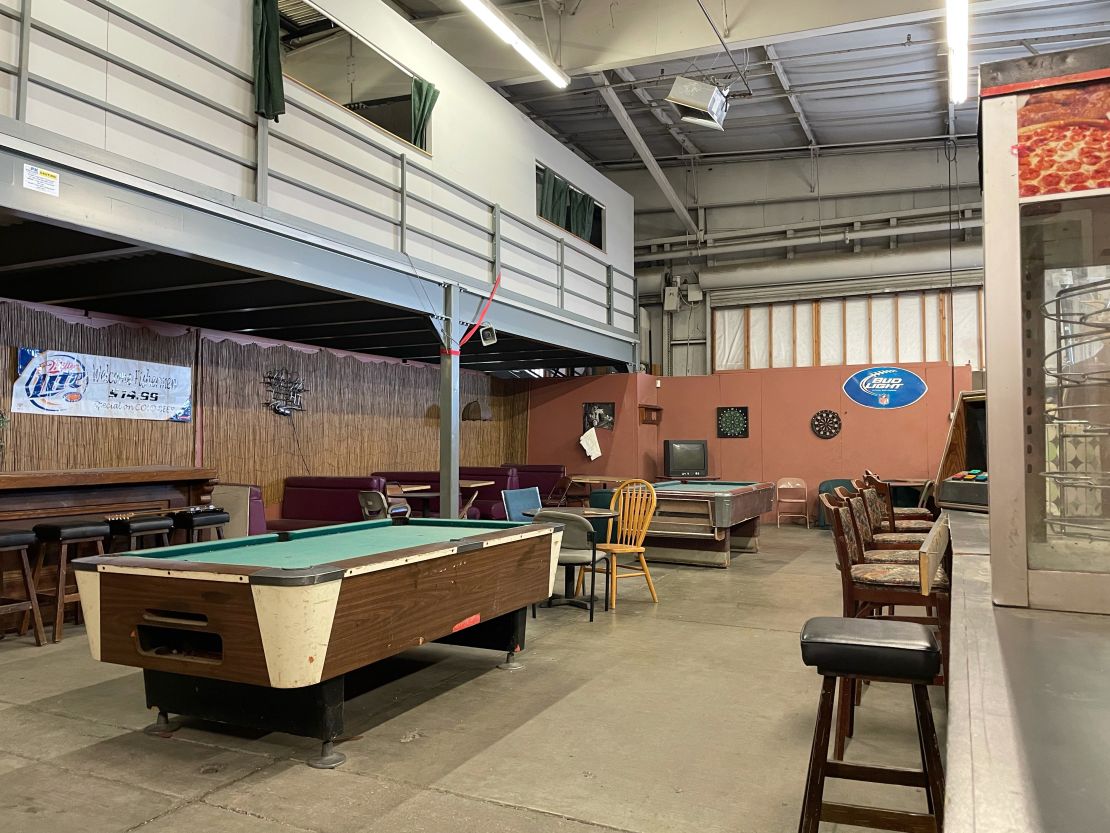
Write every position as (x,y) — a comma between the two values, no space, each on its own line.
(381,614)
(126,602)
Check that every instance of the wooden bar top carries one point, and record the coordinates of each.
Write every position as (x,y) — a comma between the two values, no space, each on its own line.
(98,477)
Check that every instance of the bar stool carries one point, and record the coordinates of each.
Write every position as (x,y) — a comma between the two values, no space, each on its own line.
(65,534)
(20,541)
(138,530)
(195,523)
(887,651)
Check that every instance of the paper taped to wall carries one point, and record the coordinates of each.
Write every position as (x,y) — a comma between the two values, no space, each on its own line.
(589,442)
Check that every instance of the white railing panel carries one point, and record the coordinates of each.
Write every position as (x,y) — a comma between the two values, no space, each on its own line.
(624,322)
(67,65)
(11,4)
(298,202)
(513,281)
(433,222)
(433,251)
(449,198)
(526,235)
(624,283)
(583,262)
(526,263)
(63,115)
(146,98)
(303,123)
(584,286)
(161,151)
(74,17)
(9,41)
(165,59)
(588,309)
(221,27)
(8,85)
(290,161)
(622,303)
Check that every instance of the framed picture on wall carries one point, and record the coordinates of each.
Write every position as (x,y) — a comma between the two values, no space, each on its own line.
(732,422)
(598,415)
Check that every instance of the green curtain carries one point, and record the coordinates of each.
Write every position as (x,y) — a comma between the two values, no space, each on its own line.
(554,197)
(424,97)
(269,87)
(581,215)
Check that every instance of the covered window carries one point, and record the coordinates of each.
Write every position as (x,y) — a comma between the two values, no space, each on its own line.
(568,207)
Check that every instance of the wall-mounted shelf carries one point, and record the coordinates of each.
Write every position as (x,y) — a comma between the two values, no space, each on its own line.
(650,414)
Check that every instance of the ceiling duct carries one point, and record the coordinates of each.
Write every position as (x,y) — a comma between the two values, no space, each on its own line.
(699,103)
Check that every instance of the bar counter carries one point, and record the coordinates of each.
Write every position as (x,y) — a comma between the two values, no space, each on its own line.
(1028,708)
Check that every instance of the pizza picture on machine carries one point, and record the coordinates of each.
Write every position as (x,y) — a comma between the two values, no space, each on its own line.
(1064,140)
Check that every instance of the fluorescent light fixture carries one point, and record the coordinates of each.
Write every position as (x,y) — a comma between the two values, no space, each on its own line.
(507,31)
(956,28)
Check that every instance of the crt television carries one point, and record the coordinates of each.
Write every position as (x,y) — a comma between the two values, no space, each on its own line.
(685,458)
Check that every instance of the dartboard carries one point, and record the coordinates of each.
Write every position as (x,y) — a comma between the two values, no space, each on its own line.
(825,424)
(732,422)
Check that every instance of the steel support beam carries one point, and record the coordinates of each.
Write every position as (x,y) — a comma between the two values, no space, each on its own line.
(795,105)
(660,112)
(621,115)
(449,410)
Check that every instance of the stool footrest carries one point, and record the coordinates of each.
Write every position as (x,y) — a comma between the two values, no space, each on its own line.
(876,774)
(852,814)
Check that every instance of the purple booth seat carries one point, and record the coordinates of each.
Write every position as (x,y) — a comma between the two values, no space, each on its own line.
(322,501)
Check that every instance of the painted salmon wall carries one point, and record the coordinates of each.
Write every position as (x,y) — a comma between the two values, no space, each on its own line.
(904,442)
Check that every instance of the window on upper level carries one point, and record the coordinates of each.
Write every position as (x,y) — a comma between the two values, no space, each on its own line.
(570,208)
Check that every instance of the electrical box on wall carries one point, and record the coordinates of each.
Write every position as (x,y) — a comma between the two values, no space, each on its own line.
(670,298)
(693,293)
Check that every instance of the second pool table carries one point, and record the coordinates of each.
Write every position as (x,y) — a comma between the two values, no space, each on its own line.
(704,522)
(261,631)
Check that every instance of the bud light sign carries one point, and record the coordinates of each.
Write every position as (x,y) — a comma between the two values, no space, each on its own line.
(78,384)
(885,387)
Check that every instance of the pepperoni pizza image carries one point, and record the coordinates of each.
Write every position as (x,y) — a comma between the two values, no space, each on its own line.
(1064,141)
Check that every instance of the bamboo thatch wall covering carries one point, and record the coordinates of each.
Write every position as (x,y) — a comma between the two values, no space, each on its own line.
(36,441)
(359,417)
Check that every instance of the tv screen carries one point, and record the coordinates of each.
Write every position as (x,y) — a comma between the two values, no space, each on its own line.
(685,458)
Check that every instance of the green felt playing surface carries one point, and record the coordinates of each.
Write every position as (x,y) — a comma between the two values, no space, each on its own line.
(708,486)
(310,547)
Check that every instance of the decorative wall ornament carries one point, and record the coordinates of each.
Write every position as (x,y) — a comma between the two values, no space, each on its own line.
(598,415)
(826,424)
(285,390)
(732,422)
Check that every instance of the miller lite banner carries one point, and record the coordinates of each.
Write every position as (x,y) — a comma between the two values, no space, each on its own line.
(885,387)
(64,383)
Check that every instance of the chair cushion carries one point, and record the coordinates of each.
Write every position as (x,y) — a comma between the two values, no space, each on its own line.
(575,556)
(894,575)
(11,539)
(871,648)
(909,539)
(892,557)
(901,526)
(140,524)
(200,520)
(70,530)
(902,513)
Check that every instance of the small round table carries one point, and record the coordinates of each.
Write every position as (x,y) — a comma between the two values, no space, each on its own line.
(590,513)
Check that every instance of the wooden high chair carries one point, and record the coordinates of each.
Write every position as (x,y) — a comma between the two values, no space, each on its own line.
(634,501)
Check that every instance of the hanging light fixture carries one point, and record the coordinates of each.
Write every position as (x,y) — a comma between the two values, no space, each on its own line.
(956,32)
(505,29)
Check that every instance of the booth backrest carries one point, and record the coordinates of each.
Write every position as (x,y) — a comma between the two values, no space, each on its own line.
(327,499)
(543,476)
(503,477)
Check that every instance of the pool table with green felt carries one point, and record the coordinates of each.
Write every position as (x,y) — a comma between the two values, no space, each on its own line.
(277,622)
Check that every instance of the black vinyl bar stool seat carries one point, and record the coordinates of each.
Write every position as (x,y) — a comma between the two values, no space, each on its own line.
(65,534)
(878,650)
(138,529)
(20,541)
(194,523)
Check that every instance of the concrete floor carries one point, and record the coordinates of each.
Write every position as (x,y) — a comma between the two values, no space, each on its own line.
(695,714)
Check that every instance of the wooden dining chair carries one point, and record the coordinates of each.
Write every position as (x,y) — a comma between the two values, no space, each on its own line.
(921,512)
(634,503)
(873,537)
(894,519)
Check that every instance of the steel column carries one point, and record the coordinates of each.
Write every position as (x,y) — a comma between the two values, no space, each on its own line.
(404,203)
(23,62)
(449,410)
(261,160)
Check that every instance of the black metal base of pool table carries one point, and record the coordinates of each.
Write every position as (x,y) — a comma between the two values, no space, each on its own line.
(314,711)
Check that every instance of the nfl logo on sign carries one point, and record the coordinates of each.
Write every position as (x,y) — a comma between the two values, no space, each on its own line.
(885,387)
